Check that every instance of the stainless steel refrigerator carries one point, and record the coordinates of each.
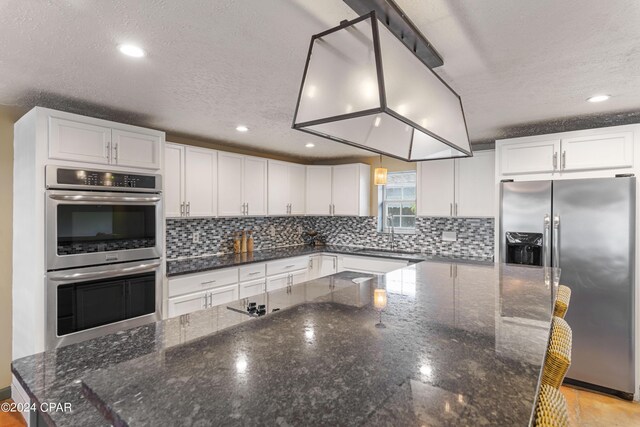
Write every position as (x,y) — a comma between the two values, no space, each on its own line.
(586,227)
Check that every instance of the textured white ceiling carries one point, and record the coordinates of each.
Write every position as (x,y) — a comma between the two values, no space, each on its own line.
(212,65)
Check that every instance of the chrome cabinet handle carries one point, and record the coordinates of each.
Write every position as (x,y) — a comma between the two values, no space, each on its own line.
(564,160)
(289,266)
(182,209)
(247,212)
(204,302)
(450,209)
(207,282)
(334,263)
(556,239)
(107,151)
(254,273)
(115,152)
(111,272)
(211,300)
(555,160)
(188,208)
(455,210)
(329,208)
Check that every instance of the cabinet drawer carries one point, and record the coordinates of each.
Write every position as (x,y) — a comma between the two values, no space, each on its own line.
(372,265)
(252,288)
(253,271)
(201,281)
(287,265)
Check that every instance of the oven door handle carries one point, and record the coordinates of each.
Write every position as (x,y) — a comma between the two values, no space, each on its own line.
(99,198)
(105,274)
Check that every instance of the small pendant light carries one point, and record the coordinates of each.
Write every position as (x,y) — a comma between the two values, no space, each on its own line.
(380,174)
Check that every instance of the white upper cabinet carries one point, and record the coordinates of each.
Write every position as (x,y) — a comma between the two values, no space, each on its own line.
(242,185)
(297,188)
(318,194)
(462,187)
(190,181)
(85,139)
(338,190)
(475,185)
(345,190)
(530,157)
(286,187)
(435,188)
(83,142)
(604,151)
(583,153)
(255,185)
(230,198)
(174,180)
(201,175)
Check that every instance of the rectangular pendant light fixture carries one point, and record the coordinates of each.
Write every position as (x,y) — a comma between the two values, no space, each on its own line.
(363,87)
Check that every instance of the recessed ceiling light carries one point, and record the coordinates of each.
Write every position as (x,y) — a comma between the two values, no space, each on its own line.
(131,50)
(598,98)
(242,128)
(310,145)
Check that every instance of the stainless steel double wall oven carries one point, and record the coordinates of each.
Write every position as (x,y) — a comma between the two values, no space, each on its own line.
(103,252)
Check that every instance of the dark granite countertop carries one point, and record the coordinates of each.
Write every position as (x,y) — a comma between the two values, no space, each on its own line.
(199,264)
(463,344)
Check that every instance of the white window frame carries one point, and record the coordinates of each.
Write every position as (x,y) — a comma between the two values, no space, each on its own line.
(385,222)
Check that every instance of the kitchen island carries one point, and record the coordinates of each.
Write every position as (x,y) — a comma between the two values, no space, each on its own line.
(462,344)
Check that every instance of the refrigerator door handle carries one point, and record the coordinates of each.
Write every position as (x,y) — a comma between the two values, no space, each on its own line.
(556,238)
(546,248)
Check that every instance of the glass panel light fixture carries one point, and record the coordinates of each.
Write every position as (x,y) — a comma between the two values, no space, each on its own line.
(363,87)
(380,174)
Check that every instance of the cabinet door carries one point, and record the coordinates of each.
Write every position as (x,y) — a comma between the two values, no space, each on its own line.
(328,265)
(223,295)
(137,150)
(187,303)
(318,194)
(278,188)
(173,179)
(475,185)
(201,182)
(315,265)
(297,186)
(277,282)
(255,185)
(529,157)
(345,190)
(252,288)
(435,188)
(299,276)
(230,198)
(603,151)
(69,140)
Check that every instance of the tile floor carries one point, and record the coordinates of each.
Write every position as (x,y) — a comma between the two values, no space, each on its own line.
(587,409)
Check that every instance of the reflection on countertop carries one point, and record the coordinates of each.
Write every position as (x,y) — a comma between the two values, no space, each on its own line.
(462,344)
(206,263)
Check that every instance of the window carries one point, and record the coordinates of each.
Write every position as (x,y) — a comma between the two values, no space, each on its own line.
(399,201)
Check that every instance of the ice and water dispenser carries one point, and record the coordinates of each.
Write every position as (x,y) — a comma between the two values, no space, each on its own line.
(523,248)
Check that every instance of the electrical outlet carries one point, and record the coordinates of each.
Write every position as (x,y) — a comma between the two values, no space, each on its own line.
(449,236)
(196,237)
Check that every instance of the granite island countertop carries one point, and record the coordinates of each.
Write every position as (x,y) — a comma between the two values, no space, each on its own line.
(199,264)
(463,344)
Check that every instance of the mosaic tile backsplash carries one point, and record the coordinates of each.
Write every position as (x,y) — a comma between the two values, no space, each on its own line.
(475,236)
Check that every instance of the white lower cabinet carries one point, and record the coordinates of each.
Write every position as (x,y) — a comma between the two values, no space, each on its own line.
(252,288)
(322,265)
(204,299)
(283,280)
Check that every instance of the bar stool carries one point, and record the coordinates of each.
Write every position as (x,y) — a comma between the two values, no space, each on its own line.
(551,410)
(558,358)
(562,301)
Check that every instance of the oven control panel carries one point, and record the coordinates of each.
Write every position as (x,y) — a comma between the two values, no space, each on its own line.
(83,178)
